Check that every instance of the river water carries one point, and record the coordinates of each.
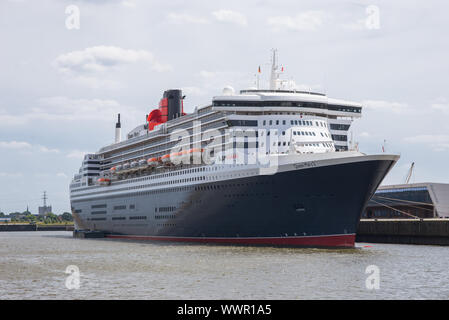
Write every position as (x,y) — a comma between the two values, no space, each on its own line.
(33,266)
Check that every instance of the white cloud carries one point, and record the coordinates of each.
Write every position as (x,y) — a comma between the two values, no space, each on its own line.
(381,105)
(230,17)
(76,154)
(308,20)
(182,18)
(129,4)
(103,58)
(11,174)
(63,109)
(22,145)
(436,142)
(61,175)
(207,74)
(14,145)
(443,107)
(44,149)
(193,91)
(365,134)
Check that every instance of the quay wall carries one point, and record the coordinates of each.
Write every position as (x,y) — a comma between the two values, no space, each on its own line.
(404,231)
(34,227)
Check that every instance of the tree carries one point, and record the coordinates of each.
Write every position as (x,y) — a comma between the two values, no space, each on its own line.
(67,216)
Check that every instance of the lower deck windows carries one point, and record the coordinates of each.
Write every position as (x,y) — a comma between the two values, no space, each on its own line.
(98,219)
(138,218)
(98,212)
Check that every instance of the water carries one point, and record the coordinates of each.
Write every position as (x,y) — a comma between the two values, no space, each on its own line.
(33,264)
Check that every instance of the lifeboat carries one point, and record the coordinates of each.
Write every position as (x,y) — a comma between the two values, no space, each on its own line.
(142,162)
(176,157)
(113,170)
(166,159)
(104,181)
(153,161)
(126,166)
(134,164)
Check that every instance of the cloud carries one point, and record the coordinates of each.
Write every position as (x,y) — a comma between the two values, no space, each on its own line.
(44,149)
(25,146)
(63,109)
(102,58)
(182,18)
(11,174)
(436,142)
(84,66)
(229,16)
(195,91)
(381,105)
(443,107)
(129,4)
(208,74)
(365,134)
(76,154)
(14,145)
(308,20)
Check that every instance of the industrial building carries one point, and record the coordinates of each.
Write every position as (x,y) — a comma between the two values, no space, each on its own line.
(417,200)
(44,209)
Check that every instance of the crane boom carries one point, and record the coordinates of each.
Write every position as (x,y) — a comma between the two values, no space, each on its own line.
(409,174)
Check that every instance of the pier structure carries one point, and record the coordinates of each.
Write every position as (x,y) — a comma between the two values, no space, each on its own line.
(417,200)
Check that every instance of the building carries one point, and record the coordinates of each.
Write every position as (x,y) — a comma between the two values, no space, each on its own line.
(44,209)
(422,200)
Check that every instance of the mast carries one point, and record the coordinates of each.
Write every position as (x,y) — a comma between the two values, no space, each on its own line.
(274,74)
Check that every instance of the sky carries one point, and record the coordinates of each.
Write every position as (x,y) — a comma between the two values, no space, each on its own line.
(68,67)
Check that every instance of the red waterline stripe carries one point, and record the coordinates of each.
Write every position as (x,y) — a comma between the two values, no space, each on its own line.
(320,241)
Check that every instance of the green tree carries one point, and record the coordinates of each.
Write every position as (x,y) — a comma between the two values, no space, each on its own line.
(67,216)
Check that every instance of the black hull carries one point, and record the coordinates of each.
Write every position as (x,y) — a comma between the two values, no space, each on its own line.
(318,206)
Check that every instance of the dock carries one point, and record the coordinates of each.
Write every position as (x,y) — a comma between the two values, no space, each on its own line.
(34,227)
(432,231)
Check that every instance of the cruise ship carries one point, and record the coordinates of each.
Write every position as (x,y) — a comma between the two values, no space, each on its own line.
(268,166)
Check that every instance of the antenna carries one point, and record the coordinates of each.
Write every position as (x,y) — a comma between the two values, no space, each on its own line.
(118,130)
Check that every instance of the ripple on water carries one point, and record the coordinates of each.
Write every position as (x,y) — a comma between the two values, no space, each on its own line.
(33,264)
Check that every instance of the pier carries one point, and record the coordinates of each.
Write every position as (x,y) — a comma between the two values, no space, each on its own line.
(34,227)
(434,231)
